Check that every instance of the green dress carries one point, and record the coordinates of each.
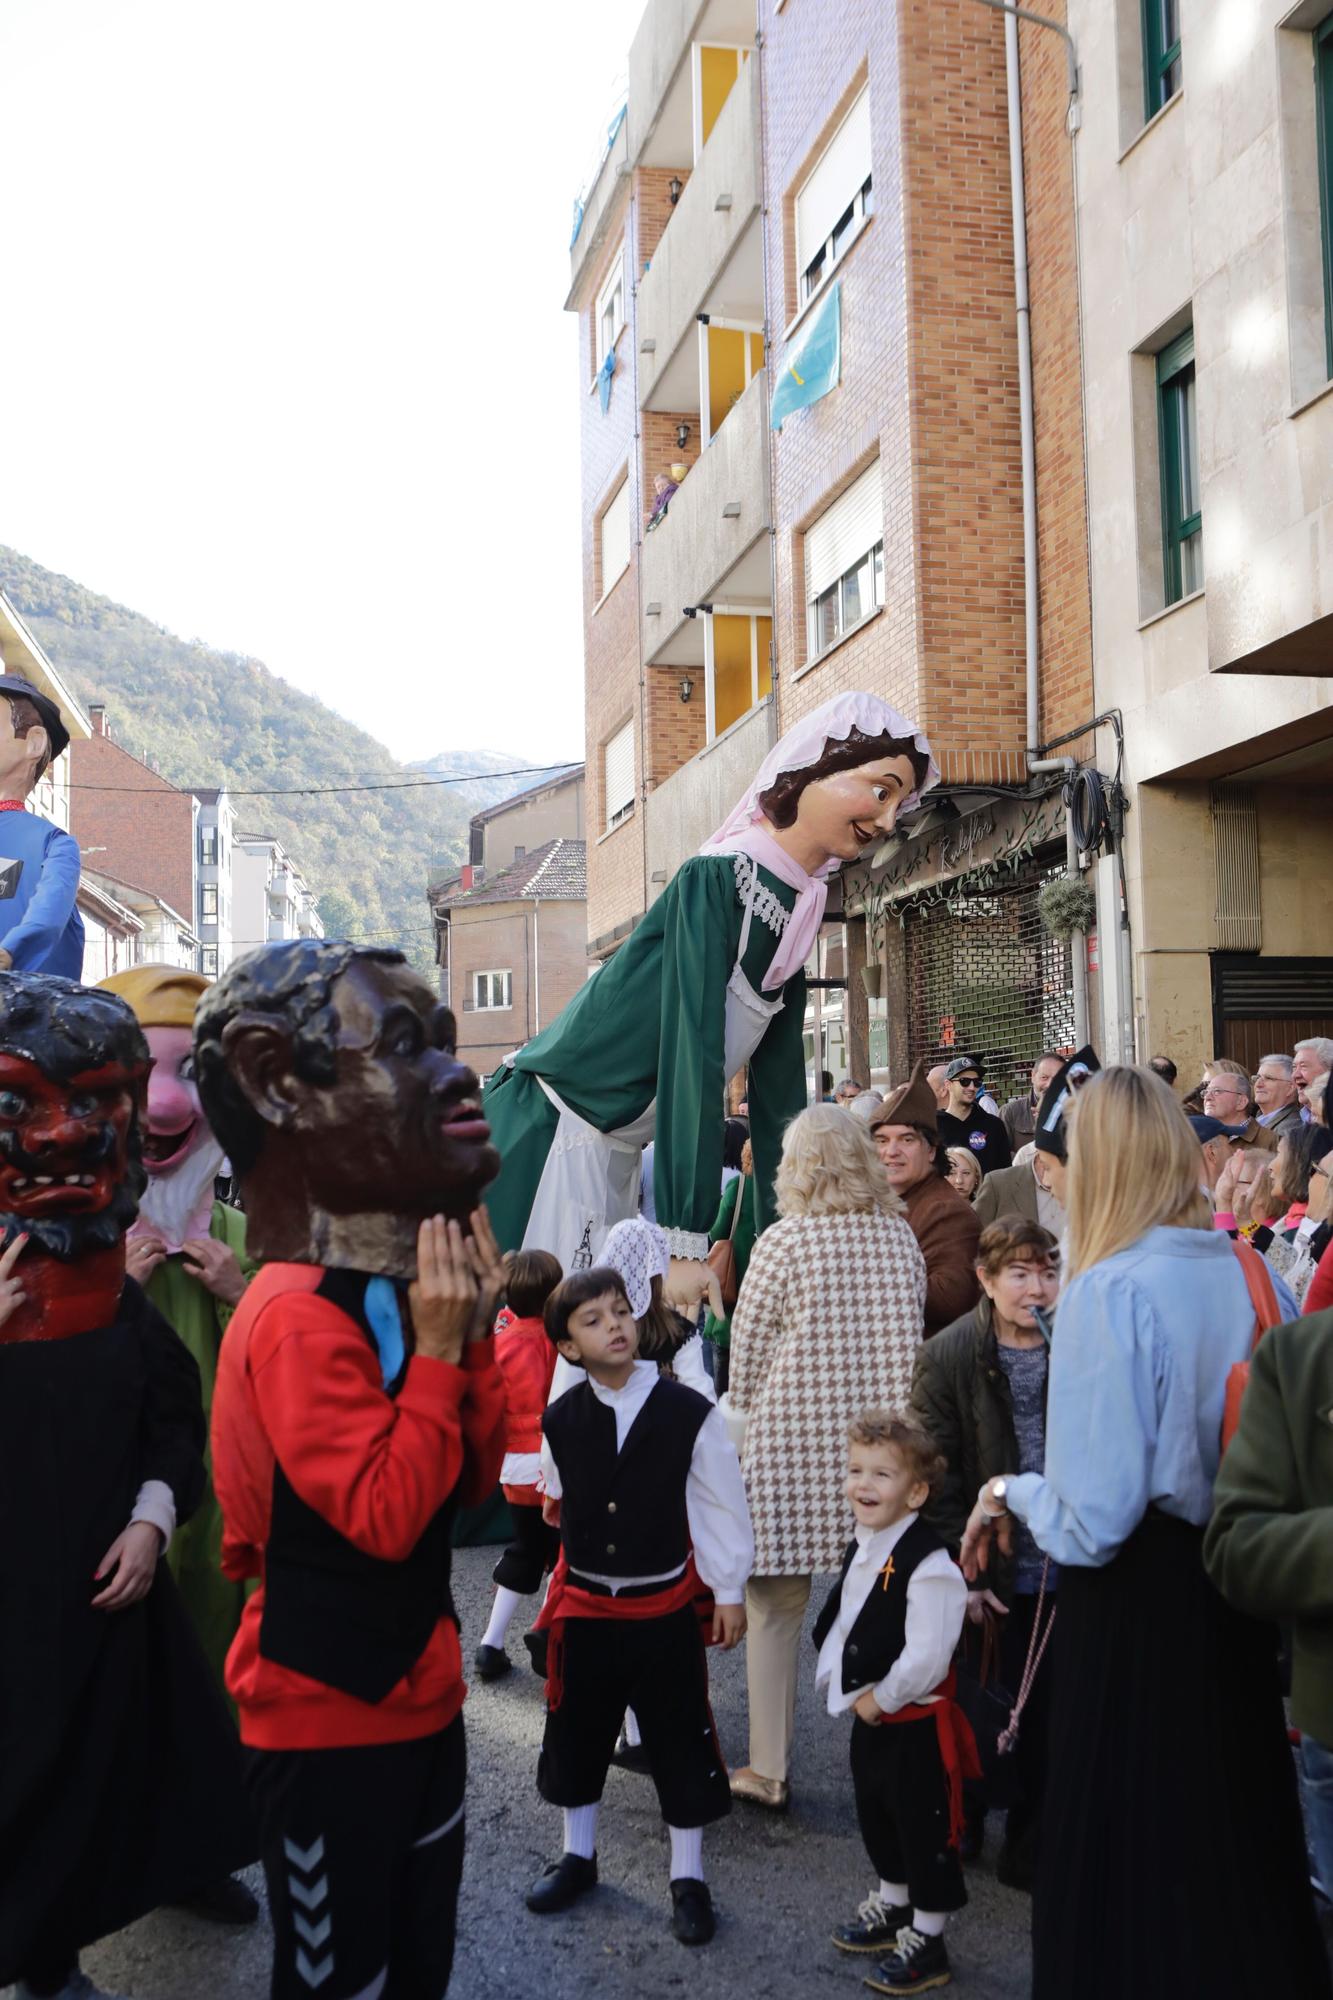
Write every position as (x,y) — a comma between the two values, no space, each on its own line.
(644,1051)
(742,1242)
(213,1601)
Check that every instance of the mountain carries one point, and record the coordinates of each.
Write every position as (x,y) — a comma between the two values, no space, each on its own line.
(482,792)
(205,717)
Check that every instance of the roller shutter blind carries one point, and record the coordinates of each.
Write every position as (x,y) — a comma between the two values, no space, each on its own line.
(843,166)
(619,766)
(844,533)
(615,538)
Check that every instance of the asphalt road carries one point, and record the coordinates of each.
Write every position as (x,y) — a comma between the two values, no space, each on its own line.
(779,1883)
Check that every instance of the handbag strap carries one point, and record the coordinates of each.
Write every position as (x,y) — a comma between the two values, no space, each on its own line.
(1259,1284)
(736,1211)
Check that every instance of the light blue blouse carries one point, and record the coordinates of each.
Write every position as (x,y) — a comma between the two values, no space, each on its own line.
(1142,1347)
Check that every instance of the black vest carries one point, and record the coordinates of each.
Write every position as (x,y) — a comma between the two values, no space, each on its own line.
(332,1612)
(880,1630)
(622,1514)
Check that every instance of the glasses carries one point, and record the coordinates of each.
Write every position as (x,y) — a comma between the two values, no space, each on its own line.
(968,1082)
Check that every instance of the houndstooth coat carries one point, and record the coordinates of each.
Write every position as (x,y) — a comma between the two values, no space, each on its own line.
(828,1321)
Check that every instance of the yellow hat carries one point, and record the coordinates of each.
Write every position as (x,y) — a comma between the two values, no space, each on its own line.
(162,996)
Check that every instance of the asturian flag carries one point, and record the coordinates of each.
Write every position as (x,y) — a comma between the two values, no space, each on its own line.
(813,364)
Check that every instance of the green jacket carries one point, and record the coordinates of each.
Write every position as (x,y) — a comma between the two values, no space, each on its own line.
(719,1330)
(1269,1545)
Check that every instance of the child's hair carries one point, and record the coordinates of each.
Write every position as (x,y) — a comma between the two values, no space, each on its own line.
(909,1440)
(579,1289)
(661,1330)
(530,1278)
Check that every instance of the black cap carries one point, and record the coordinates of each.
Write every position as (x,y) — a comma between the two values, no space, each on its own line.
(1205,1128)
(45,707)
(960,1066)
(1049,1134)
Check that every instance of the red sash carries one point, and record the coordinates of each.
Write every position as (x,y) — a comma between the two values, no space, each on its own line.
(565,1600)
(958,1746)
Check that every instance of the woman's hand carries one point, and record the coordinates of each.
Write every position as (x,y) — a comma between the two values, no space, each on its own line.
(981,1601)
(728,1625)
(12,1294)
(443,1300)
(133,1556)
(868,1709)
(686,1284)
(1224,1198)
(143,1253)
(984,1522)
(489,1271)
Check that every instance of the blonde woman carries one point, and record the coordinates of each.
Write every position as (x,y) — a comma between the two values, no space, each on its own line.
(964,1172)
(1170,1796)
(827,1323)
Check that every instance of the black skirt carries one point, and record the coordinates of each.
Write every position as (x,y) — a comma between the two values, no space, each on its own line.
(1172,1858)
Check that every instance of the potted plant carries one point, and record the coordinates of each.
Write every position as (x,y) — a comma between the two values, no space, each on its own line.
(1067,906)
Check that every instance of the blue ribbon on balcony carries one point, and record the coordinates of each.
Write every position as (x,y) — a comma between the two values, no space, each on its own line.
(604,374)
(813,364)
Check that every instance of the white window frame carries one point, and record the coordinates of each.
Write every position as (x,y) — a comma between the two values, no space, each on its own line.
(747,327)
(851,220)
(609,582)
(482,982)
(207,889)
(697,86)
(617,814)
(710,684)
(610,304)
(875,557)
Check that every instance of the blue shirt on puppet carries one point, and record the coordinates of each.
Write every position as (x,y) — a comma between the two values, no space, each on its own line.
(40,926)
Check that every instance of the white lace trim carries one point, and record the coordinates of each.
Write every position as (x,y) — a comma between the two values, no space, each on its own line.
(687,1242)
(768,907)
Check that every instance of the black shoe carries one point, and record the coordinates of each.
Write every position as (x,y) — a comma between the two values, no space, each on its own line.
(226,1901)
(875,1926)
(630,1756)
(536,1645)
(918,1964)
(562,1884)
(492,1663)
(692,1919)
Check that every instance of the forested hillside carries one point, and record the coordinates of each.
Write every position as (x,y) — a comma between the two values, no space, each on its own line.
(205,717)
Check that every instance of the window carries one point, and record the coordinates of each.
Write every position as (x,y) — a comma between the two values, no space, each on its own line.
(1323,89)
(208,902)
(618,765)
(835,200)
(208,846)
(519,853)
(615,537)
(611,308)
(1178,444)
(738,666)
(844,563)
(729,359)
(492,992)
(208,960)
(1162,72)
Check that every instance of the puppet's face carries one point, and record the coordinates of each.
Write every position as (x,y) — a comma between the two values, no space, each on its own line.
(844,813)
(64,1145)
(401,1129)
(175,1122)
(19,755)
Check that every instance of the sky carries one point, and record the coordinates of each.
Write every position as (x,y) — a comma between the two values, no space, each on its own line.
(285,364)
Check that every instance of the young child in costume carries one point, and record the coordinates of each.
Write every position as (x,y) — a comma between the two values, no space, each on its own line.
(357,1406)
(652,1517)
(886,1640)
(526,1359)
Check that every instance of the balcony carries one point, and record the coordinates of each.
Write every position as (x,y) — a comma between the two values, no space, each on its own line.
(661,73)
(714,541)
(599,209)
(710,258)
(693,802)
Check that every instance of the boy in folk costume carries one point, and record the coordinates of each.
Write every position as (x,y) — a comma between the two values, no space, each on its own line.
(886,1640)
(710,981)
(526,1359)
(648,1486)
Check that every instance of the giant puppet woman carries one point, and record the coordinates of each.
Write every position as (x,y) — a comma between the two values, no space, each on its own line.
(710,980)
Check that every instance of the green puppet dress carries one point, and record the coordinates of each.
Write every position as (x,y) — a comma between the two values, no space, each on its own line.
(644,1052)
(199,1320)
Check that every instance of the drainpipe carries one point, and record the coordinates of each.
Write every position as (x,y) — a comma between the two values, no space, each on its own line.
(536,967)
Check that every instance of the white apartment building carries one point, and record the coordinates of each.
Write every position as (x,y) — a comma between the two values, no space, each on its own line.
(271,899)
(215,831)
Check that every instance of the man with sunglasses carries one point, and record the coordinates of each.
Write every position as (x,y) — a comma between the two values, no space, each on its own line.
(962,1122)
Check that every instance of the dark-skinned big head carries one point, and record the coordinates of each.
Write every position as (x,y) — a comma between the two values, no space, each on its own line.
(328,1071)
(73,1068)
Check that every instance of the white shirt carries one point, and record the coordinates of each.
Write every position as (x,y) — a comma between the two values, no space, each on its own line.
(715,1503)
(687,1365)
(936,1607)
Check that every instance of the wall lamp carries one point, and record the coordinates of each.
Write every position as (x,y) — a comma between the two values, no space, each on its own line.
(675,187)
(682,435)
(686,687)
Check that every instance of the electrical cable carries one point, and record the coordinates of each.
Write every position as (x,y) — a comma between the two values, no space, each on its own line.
(315,791)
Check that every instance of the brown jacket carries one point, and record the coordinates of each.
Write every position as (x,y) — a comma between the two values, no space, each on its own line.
(948,1231)
(1255,1134)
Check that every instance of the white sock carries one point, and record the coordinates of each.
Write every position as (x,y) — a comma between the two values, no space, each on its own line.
(687,1853)
(894,1894)
(503,1609)
(930,1923)
(581,1831)
(632,1736)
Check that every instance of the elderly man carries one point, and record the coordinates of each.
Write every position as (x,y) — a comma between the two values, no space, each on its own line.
(963,1122)
(1226,1099)
(1275,1095)
(847,1092)
(906,1134)
(1310,1060)
(1020,1113)
(1216,1142)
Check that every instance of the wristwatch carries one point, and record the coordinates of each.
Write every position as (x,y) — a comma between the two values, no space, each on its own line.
(996,1490)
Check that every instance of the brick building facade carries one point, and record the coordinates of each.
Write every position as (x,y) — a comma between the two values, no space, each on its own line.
(132,824)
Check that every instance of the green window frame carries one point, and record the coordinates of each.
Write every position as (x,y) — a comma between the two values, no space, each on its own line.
(1323,91)
(1162,70)
(1178,445)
